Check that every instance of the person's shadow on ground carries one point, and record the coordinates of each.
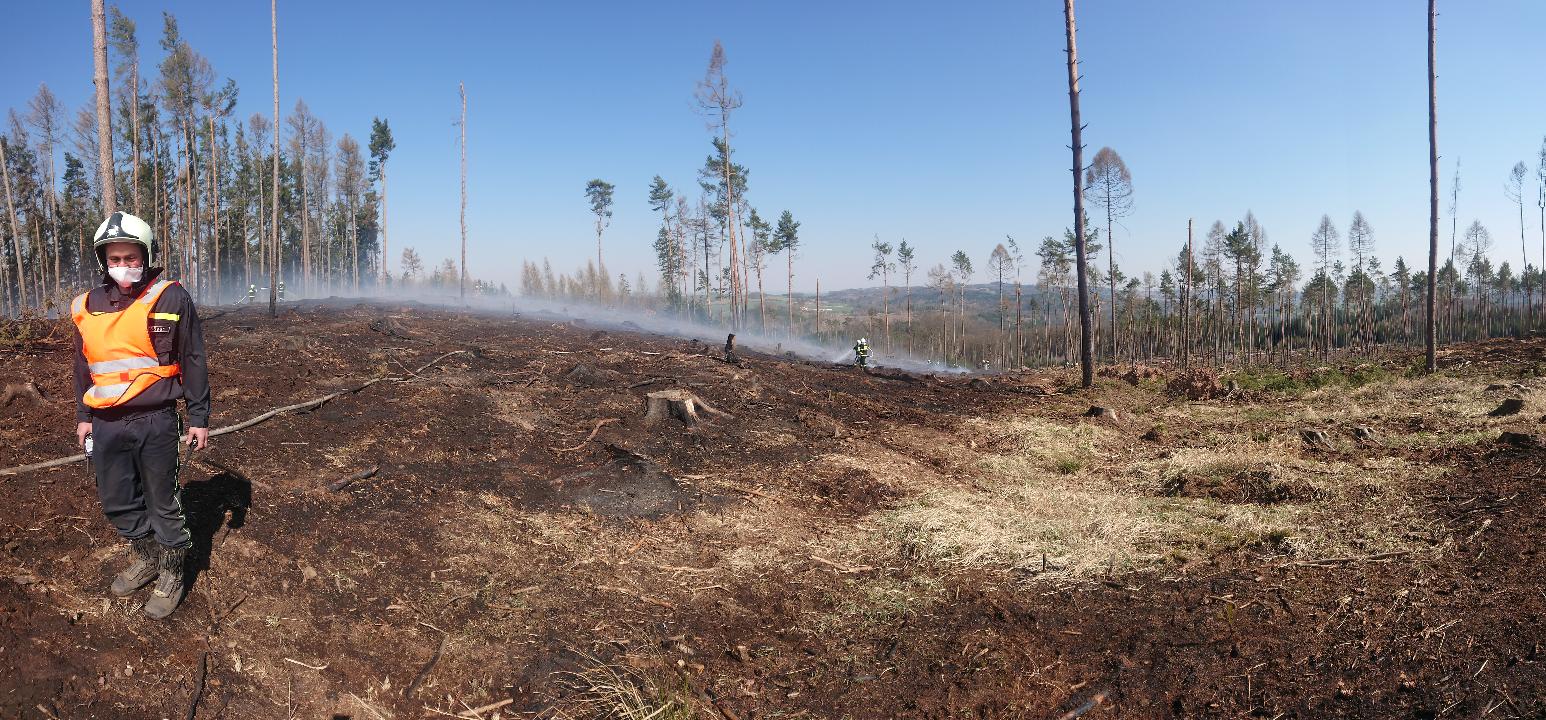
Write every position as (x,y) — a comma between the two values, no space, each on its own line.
(221,500)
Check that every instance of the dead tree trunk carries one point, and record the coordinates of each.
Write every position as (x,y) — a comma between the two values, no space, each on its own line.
(10,207)
(214,209)
(1087,341)
(104,109)
(1186,303)
(273,268)
(463,284)
(1433,186)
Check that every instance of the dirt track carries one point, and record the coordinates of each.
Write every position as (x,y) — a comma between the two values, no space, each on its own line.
(740,568)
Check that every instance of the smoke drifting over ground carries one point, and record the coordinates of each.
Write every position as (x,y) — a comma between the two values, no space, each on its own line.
(649,321)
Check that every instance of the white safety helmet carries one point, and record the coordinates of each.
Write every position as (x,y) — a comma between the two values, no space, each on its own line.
(123,227)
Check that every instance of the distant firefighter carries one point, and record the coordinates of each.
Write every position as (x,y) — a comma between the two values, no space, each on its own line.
(862,352)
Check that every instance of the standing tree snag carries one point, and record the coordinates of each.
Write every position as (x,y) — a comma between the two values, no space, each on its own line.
(462,88)
(1433,186)
(1087,341)
(104,109)
(1110,186)
(273,257)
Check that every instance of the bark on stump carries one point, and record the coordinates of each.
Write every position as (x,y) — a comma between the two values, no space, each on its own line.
(26,390)
(679,404)
(1519,439)
(1097,411)
(1317,438)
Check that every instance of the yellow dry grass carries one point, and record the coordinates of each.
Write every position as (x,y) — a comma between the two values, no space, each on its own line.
(1092,502)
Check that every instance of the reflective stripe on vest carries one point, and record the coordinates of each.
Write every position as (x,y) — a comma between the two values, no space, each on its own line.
(118,349)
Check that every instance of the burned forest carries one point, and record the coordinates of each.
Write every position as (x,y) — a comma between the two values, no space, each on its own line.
(1039,421)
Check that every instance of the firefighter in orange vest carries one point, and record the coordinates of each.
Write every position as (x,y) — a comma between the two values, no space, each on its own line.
(139,350)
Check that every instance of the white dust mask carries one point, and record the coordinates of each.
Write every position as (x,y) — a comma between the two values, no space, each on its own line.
(126,275)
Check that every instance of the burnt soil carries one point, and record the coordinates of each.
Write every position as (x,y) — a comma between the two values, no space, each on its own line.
(498,549)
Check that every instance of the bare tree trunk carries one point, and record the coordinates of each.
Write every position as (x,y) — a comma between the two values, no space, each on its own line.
(10,206)
(53,218)
(817,323)
(1087,341)
(158,201)
(730,221)
(463,89)
(762,301)
(134,114)
(1019,341)
(104,109)
(262,233)
(1433,184)
(1186,303)
(190,216)
(384,275)
(1111,279)
(40,266)
(273,268)
(214,209)
(308,280)
(789,292)
(354,247)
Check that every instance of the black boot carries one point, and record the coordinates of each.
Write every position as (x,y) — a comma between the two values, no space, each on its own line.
(169,587)
(145,567)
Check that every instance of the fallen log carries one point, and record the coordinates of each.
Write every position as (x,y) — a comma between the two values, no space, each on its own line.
(365,474)
(198,689)
(424,671)
(588,438)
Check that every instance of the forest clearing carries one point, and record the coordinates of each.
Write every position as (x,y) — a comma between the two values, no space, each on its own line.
(827,542)
(1128,461)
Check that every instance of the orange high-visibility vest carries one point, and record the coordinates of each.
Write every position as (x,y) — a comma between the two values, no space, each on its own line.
(118,349)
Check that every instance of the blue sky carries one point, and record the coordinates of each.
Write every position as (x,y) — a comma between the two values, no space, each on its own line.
(944,123)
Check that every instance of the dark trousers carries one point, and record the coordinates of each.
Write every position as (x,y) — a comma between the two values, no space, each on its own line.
(135,455)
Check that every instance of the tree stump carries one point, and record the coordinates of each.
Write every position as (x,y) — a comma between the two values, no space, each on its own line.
(1519,439)
(589,376)
(1097,411)
(390,327)
(1511,406)
(26,390)
(680,404)
(1316,438)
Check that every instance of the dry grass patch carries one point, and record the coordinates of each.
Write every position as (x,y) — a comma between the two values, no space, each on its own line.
(1119,508)
(1048,444)
(609,691)
(1083,524)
